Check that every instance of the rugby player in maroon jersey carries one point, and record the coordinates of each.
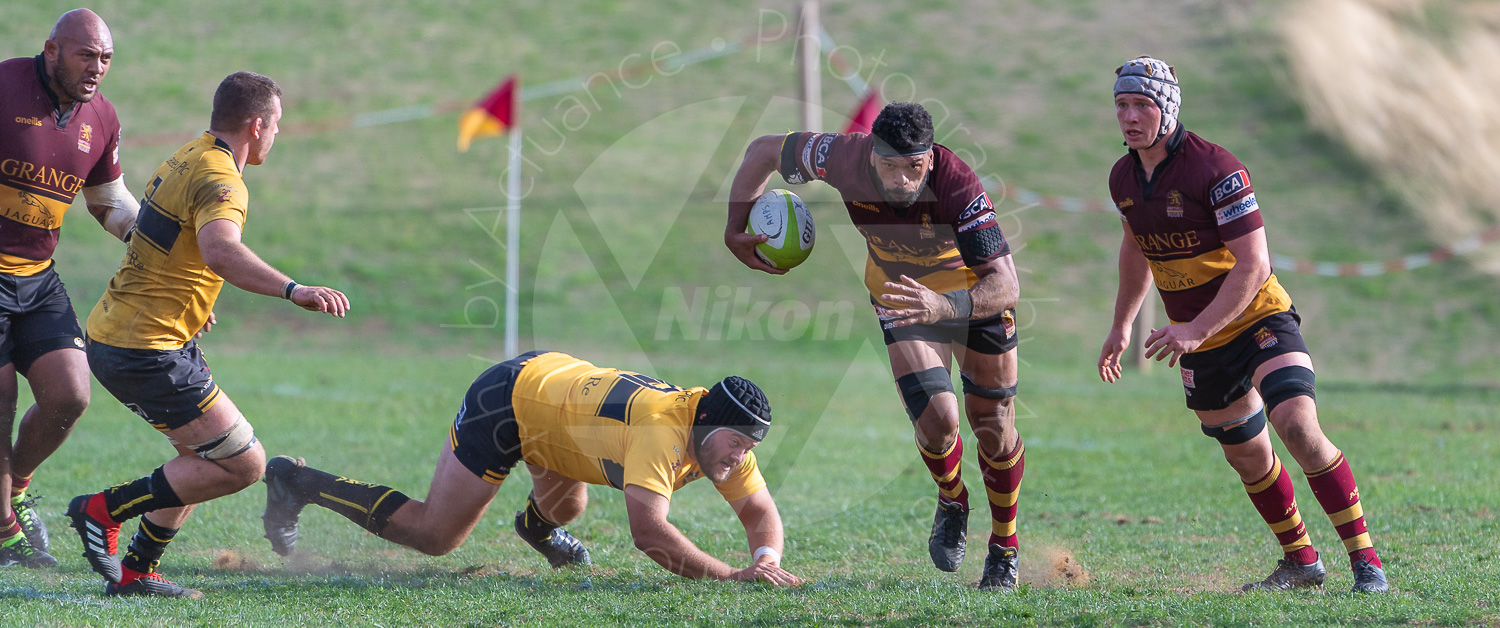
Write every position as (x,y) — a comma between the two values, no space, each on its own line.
(58,136)
(1193,227)
(943,286)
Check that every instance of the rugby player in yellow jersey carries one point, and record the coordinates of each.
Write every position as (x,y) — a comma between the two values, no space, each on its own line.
(140,340)
(574,424)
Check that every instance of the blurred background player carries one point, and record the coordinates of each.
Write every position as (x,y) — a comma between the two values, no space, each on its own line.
(943,284)
(1193,225)
(573,424)
(59,136)
(141,343)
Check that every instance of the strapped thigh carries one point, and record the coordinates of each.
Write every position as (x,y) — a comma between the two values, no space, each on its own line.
(1285,383)
(972,388)
(918,389)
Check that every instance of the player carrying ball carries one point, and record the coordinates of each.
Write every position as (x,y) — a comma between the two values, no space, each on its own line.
(1192,225)
(943,284)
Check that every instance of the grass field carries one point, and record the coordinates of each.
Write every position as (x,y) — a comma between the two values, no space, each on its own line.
(1128,515)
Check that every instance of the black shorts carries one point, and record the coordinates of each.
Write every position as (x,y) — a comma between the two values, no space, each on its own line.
(485,437)
(991,336)
(166,388)
(1216,378)
(36,318)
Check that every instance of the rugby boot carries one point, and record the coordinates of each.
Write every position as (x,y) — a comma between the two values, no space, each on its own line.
(560,548)
(999,570)
(31,524)
(1290,575)
(99,533)
(151,584)
(283,505)
(1369,579)
(18,551)
(949,527)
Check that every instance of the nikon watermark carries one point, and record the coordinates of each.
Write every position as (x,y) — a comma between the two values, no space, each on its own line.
(727,313)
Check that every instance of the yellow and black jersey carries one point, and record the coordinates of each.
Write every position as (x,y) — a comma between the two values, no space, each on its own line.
(616,428)
(164,292)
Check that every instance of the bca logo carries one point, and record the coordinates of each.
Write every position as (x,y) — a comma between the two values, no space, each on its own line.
(1229,186)
(824,143)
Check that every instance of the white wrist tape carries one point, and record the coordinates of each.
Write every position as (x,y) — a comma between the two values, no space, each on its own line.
(121,207)
(766,550)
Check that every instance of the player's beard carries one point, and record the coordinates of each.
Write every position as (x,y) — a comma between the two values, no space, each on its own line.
(71,85)
(905,199)
(704,465)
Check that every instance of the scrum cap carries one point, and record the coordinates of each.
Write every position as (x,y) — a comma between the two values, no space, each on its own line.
(734,403)
(1156,80)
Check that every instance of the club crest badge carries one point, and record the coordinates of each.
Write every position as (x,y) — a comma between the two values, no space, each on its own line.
(1008,321)
(1174,204)
(85,137)
(1264,338)
(926,231)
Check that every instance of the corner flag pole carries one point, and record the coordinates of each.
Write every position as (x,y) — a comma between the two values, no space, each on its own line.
(513,246)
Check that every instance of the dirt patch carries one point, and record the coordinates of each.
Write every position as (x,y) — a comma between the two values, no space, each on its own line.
(1053,567)
(230,560)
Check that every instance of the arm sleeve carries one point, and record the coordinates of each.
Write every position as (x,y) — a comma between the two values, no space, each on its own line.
(108,167)
(975,227)
(810,156)
(1232,201)
(743,481)
(220,197)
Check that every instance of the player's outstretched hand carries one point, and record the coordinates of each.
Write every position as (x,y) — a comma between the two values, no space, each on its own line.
(321,299)
(207,325)
(919,304)
(1109,356)
(767,572)
(1172,342)
(743,247)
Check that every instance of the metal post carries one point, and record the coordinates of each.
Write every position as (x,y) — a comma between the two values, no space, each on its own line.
(809,60)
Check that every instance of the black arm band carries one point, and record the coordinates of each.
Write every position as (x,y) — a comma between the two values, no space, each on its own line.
(962,302)
(288,289)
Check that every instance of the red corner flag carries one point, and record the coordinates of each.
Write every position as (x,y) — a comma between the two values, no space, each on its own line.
(491,116)
(864,116)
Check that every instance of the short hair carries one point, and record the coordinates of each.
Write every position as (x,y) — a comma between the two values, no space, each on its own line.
(242,97)
(905,126)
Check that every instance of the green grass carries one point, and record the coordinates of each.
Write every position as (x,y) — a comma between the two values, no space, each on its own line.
(625,217)
(1118,481)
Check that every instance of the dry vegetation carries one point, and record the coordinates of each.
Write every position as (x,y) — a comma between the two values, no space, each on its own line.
(1412,87)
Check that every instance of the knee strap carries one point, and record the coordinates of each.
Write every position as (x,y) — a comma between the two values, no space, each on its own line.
(229,443)
(971,388)
(918,389)
(1285,383)
(1239,430)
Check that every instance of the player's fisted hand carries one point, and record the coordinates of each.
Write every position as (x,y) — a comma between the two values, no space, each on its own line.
(321,299)
(743,247)
(767,572)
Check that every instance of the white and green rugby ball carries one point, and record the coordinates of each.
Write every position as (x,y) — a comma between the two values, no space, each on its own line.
(784,220)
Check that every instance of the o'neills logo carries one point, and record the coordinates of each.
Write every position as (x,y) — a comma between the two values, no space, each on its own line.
(30,121)
(85,137)
(41,175)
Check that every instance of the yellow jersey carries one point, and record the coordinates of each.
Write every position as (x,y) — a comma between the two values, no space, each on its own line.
(164,292)
(614,428)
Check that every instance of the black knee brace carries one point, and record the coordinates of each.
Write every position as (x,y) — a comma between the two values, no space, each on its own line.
(1242,431)
(918,389)
(971,388)
(1283,384)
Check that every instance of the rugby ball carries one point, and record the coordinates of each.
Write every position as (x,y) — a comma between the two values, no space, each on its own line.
(788,226)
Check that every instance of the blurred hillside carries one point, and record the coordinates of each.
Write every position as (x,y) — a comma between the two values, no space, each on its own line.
(624,215)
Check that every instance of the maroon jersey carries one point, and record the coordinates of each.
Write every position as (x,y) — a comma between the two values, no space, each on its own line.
(935,241)
(1198,198)
(46,157)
